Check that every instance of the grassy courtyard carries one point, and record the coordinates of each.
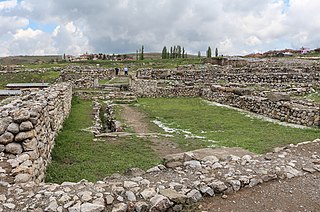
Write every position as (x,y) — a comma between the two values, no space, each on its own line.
(220,126)
(77,156)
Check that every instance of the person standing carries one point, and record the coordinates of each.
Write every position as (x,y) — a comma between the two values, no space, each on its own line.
(117,71)
(126,70)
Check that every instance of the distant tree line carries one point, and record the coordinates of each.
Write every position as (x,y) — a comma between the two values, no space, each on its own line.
(174,52)
(140,53)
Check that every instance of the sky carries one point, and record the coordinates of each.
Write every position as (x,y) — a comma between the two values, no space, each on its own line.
(235,27)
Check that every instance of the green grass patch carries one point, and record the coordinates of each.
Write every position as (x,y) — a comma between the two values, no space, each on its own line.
(314,97)
(115,80)
(226,126)
(28,77)
(76,156)
(150,63)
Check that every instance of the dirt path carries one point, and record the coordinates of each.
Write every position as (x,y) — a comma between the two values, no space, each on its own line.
(137,121)
(297,194)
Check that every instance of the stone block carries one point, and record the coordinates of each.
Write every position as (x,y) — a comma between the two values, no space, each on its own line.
(21,136)
(21,115)
(22,178)
(4,123)
(26,126)
(13,128)
(14,148)
(6,138)
(30,144)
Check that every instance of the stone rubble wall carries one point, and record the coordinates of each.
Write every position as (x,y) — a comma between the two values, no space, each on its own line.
(220,74)
(292,111)
(186,179)
(84,77)
(109,123)
(150,88)
(28,127)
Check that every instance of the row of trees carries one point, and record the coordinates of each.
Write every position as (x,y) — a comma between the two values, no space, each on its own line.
(174,52)
(140,53)
(209,52)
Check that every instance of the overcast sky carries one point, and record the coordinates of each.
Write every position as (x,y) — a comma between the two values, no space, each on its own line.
(235,27)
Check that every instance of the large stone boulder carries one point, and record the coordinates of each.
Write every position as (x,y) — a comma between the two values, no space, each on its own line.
(278,96)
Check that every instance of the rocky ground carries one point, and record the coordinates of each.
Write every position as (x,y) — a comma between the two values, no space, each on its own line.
(187,179)
(296,194)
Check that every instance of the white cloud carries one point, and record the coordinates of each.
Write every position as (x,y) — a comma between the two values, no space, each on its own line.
(8,4)
(9,24)
(115,26)
(27,34)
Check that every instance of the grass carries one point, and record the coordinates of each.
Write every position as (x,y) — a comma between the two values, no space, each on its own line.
(77,156)
(150,63)
(115,80)
(226,126)
(315,97)
(24,77)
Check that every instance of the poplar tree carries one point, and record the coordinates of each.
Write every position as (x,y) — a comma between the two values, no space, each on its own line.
(142,53)
(209,52)
(216,52)
(164,53)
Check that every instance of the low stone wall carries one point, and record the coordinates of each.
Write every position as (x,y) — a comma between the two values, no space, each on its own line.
(275,106)
(104,119)
(154,88)
(85,76)
(28,127)
(221,75)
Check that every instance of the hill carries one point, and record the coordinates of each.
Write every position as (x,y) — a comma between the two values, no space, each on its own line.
(24,60)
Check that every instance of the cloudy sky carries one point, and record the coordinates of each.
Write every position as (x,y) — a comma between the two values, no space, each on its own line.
(42,27)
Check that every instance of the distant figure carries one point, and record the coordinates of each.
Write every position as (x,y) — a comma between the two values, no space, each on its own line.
(126,70)
(117,71)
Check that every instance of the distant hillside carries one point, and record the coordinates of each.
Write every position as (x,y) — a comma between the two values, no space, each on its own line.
(24,60)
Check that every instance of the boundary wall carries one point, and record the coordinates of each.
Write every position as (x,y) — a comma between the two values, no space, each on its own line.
(28,127)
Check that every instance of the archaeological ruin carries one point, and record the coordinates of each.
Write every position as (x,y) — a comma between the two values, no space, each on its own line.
(29,124)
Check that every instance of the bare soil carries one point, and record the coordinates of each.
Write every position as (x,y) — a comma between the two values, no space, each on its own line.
(137,121)
(296,194)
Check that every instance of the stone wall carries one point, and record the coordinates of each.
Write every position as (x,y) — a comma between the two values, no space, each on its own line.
(85,76)
(275,105)
(158,88)
(28,127)
(224,75)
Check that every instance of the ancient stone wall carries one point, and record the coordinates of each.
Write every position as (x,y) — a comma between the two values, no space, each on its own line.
(85,76)
(275,106)
(223,75)
(28,127)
